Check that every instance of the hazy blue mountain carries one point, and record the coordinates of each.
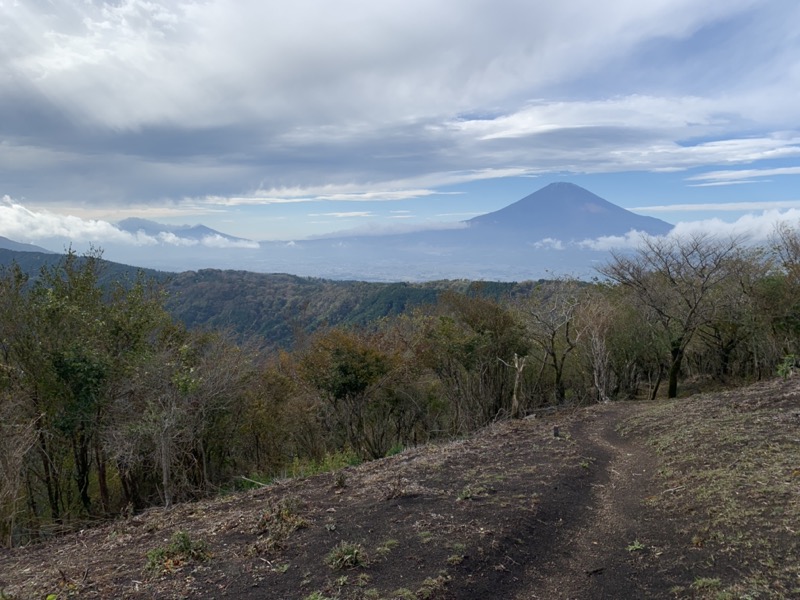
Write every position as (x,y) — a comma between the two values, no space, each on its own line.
(567,212)
(7,244)
(191,232)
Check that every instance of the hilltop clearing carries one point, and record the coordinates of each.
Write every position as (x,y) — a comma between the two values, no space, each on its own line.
(691,498)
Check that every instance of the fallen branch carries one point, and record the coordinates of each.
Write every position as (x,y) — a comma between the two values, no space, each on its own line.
(253,481)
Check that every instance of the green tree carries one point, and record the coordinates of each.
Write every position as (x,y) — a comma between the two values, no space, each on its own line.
(72,351)
(468,344)
(676,283)
(351,375)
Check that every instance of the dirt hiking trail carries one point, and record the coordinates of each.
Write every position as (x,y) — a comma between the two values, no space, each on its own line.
(598,554)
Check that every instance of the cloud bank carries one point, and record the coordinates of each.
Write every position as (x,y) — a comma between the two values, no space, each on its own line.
(755,228)
(210,105)
(25,225)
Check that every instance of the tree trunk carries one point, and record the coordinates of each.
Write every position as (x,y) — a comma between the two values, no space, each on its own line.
(166,461)
(657,384)
(49,479)
(80,446)
(674,371)
(102,480)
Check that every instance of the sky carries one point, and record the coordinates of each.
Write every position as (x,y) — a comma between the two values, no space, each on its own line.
(286,120)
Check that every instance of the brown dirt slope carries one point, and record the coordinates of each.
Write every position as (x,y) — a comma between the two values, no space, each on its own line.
(696,498)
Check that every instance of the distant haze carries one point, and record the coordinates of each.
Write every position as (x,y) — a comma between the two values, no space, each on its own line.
(559,229)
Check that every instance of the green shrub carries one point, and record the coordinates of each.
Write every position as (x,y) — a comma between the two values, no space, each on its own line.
(180,550)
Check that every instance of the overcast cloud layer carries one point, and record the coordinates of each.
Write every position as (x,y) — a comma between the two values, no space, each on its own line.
(207,108)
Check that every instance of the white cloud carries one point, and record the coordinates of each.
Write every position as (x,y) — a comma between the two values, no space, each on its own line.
(630,240)
(549,244)
(20,224)
(134,63)
(169,238)
(662,113)
(341,193)
(720,206)
(757,227)
(665,155)
(312,65)
(344,215)
(741,175)
(24,225)
(722,183)
(196,106)
(218,241)
(379,229)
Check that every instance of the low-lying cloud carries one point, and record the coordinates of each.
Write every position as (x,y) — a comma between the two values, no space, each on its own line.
(756,228)
(394,228)
(21,224)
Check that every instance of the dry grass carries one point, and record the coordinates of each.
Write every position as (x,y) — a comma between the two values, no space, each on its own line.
(730,475)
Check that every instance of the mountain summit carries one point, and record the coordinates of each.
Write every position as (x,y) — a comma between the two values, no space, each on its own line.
(567,212)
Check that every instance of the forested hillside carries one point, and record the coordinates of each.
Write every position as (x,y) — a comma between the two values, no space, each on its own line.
(275,310)
(109,403)
(111,273)
(281,309)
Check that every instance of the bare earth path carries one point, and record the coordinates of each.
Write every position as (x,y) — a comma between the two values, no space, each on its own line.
(607,552)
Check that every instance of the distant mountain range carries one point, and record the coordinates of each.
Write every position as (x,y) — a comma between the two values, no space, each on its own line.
(189,232)
(553,231)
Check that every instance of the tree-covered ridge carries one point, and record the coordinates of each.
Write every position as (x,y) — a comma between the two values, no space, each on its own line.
(31,263)
(278,309)
(282,309)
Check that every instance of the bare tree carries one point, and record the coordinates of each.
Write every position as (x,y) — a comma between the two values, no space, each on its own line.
(518,366)
(550,313)
(786,245)
(597,315)
(676,282)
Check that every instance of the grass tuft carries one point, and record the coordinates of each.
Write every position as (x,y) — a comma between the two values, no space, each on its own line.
(180,550)
(346,555)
